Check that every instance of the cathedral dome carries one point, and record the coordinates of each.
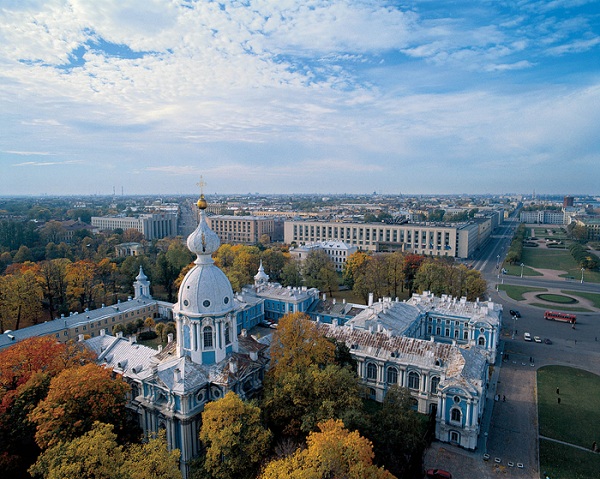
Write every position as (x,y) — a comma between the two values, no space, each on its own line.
(205,290)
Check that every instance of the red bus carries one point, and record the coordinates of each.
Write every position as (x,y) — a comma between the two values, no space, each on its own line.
(556,316)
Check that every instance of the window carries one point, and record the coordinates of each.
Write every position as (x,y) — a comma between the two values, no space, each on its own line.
(413,380)
(434,384)
(454,437)
(227,334)
(371,371)
(455,415)
(438,330)
(208,337)
(481,341)
(466,335)
(392,375)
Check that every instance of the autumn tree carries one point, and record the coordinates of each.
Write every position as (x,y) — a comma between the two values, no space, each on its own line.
(234,438)
(151,460)
(82,282)
(53,279)
(334,452)
(20,299)
(304,384)
(26,370)
(93,455)
(77,397)
(354,267)
(318,271)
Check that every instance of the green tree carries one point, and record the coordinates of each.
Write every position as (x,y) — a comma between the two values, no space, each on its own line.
(291,274)
(235,440)
(316,268)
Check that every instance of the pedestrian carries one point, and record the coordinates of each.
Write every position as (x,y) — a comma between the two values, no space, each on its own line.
(503,398)
(558,400)
(530,359)
(575,341)
(557,391)
(594,447)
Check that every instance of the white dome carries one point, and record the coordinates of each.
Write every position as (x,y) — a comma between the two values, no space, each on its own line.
(203,240)
(205,290)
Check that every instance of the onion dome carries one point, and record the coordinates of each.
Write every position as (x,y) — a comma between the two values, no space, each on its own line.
(141,276)
(205,290)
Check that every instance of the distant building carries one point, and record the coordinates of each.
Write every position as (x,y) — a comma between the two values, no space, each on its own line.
(547,217)
(242,229)
(152,225)
(567,201)
(337,251)
(435,239)
(129,249)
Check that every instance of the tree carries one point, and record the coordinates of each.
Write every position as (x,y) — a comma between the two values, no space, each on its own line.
(53,278)
(334,453)
(94,455)
(82,282)
(26,369)
(53,231)
(316,268)
(354,266)
(291,274)
(304,385)
(234,438)
(151,460)
(398,434)
(20,299)
(77,397)
(24,254)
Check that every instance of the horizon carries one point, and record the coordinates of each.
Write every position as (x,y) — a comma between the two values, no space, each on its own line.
(329,96)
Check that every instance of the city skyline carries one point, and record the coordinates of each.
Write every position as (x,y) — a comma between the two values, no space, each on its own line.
(290,97)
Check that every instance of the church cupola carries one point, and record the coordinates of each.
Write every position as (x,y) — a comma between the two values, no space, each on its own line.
(206,326)
(261,278)
(141,286)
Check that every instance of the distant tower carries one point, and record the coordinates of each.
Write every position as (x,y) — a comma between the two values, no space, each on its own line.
(567,201)
(261,278)
(141,287)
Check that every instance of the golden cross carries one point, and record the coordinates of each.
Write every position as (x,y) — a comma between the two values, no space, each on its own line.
(201,184)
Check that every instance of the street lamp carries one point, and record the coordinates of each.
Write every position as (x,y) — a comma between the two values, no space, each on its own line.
(582,274)
(497,261)
(522,269)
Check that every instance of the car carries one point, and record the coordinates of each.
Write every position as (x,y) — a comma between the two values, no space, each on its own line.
(515,313)
(527,337)
(547,341)
(537,339)
(438,474)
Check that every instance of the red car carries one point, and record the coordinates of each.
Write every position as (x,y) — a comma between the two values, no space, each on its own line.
(438,474)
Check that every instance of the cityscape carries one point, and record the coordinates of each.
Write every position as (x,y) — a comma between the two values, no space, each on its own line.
(268,240)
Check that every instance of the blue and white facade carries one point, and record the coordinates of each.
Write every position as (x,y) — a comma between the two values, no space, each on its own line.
(398,344)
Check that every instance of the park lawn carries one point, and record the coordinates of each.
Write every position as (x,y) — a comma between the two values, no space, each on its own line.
(517,292)
(560,461)
(593,297)
(575,420)
(548,259)
(515,270)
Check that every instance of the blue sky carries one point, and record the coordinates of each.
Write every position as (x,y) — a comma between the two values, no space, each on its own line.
(299,96)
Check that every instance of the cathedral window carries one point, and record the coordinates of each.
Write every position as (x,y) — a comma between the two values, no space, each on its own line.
(371,371)
(208,337)
(392,375)
(227,334)
(434,384)
(456,415)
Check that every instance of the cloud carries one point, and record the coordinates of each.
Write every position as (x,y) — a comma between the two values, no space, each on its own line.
(50,163)
(29,153)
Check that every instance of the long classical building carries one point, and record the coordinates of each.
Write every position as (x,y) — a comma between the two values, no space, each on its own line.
(242,229)
(434,239)
(151,225)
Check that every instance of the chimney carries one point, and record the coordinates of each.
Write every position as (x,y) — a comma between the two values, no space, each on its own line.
(170,338)
(159,348)
(233,366)
(177,375)
(133,338)
(253,355)
(244,333)
(324,296)
(334,322)
(370,303)
(80,337)
(120,334)
(103,332)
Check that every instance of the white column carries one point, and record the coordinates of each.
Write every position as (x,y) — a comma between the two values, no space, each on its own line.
(468,418)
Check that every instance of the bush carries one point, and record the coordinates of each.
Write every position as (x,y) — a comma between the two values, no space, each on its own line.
(146,335)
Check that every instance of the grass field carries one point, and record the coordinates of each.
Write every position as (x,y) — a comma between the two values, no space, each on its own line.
(593,297)
(557,298)
(575,420)
(517,292)
(558,461)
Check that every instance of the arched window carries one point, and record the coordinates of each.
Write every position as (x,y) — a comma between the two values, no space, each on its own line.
(208,337)
(466,335)
(227,334)
(455,415)
(413,380)
(434,384)
(454,437)
(392,375)
(371,371)
(481,341)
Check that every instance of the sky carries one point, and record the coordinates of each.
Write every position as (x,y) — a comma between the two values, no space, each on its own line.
(299,96)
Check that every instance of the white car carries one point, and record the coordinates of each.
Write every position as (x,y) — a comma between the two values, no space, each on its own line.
(527,337)
(537,339)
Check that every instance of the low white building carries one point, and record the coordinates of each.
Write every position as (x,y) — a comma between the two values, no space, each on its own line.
(337,251)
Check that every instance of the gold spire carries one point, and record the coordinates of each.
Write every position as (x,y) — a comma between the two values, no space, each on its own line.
(202,204)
